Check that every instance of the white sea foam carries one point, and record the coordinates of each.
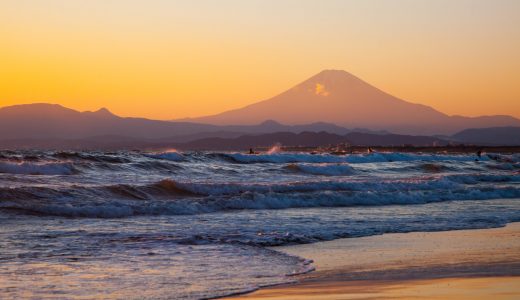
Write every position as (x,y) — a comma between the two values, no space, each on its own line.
(274,149)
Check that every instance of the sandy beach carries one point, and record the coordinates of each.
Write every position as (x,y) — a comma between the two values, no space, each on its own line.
(463,264)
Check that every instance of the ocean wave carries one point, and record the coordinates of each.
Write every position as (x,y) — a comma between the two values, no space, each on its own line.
(322,169)
(118,208)
(44,166)
(94,157)
(434,168)
(504,166)
(484,178)
(168,197)
(168,155)
(171,189)
(164,189)
(156,165)
(350,158)
(50,168)
(418,183)
(171,186)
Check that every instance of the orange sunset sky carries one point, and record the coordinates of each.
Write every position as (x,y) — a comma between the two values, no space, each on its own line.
(173,59)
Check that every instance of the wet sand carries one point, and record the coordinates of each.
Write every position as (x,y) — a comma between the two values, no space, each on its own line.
(464,264)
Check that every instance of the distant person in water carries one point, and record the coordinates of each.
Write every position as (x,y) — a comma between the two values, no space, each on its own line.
(370,150)
(251,151)
(479,153)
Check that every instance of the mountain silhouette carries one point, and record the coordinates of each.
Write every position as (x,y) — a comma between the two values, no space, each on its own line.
(489,136)
(52,121)
(42,120)
(341,98)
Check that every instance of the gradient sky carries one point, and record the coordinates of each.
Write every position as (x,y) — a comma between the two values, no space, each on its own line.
(171,59)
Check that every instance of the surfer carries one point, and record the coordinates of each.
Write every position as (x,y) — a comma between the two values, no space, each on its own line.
(479,155)
(251,151)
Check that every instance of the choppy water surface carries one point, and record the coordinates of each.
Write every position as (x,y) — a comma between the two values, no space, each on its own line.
(195,225)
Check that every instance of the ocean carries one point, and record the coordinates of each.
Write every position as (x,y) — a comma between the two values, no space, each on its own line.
(198,225)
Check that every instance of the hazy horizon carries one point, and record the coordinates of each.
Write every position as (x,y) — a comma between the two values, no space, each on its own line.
(174,59)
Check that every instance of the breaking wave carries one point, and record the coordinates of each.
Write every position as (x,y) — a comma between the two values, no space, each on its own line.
(168,197)
(117,208)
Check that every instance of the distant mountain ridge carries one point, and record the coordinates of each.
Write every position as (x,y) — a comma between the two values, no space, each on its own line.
(41,120)
(490,136)
(338,97)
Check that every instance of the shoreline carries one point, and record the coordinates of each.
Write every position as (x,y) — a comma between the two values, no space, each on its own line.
(445,265)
